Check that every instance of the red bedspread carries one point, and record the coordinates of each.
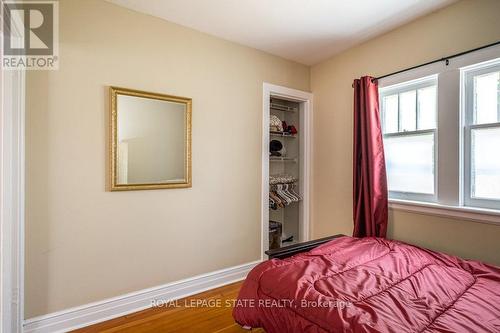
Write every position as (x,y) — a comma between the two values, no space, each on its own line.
(371,285)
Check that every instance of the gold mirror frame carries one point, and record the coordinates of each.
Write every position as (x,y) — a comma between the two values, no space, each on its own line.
(114,186)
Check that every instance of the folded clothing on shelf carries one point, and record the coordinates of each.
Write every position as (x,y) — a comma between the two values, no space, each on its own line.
(289,129)
(275,123)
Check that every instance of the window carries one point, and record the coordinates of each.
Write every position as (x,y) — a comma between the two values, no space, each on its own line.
(481,122)
(409,121)
(442,137)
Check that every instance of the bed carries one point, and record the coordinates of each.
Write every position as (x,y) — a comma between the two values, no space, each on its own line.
(370,285)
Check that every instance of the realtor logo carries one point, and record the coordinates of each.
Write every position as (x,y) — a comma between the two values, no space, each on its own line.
(30,35)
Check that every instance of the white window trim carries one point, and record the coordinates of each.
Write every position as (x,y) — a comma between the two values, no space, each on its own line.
(398,89)
(466,128)
(451,195)
(482,215)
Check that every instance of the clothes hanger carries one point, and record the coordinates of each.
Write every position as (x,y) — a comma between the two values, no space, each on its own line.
(283,194)
(276,198)
(295,193)
(285,190)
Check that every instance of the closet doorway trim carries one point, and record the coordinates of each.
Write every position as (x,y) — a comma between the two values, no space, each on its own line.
(306,101)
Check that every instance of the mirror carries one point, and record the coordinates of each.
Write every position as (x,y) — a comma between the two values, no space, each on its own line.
(150,140)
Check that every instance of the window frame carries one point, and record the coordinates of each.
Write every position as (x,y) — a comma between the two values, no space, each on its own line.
(450,201)
(467,126)
(398,89)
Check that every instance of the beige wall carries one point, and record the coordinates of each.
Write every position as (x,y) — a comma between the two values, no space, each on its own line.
(84,244)
(462,26)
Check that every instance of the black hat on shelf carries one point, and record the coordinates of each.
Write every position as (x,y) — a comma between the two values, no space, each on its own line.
(275,145)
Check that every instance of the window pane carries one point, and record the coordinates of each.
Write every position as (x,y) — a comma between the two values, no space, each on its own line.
(407,110)
(427,107)
(486,92)
(410,163)
(485,163)
(390,109)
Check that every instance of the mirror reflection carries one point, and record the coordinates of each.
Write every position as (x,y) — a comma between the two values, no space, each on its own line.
(152,140)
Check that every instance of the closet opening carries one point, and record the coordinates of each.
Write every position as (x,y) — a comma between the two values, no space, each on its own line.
(286,155)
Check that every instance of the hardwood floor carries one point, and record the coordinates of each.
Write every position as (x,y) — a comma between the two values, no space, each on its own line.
(192,314)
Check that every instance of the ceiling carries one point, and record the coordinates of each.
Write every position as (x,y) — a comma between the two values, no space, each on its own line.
(306,31)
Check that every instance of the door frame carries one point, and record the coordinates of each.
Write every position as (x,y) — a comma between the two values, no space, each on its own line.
(306,118)
(12,166)
(12,196)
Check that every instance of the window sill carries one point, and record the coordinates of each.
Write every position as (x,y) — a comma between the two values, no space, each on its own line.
(482,215)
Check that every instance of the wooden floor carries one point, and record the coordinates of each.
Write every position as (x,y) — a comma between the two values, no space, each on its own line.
(182,316)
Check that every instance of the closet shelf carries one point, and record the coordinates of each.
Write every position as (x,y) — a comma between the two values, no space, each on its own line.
(276,109)
(282,134)
(287,183)
(281,107)
(282,159)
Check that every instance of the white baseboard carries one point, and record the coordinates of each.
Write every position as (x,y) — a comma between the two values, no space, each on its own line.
(88,314)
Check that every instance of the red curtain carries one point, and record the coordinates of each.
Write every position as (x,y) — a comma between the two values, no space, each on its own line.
(369,176)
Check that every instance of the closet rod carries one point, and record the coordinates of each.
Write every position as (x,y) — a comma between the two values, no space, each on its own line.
(445,59)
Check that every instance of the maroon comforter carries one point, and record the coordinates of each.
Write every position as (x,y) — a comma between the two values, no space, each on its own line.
(370,285)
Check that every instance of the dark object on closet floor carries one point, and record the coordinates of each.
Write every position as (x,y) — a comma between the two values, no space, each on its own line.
(291,250)
(289,239)
(275,230)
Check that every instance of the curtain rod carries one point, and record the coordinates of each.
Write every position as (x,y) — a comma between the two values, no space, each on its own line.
(445,59)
